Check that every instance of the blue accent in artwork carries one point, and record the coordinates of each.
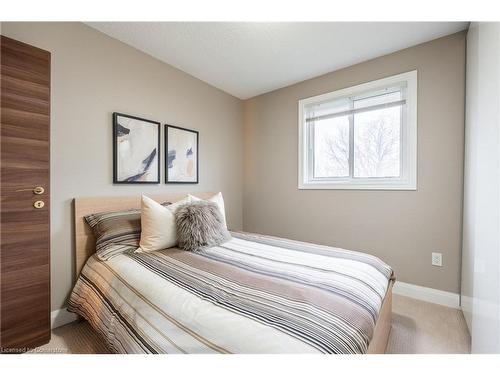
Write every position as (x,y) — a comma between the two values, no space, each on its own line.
(189,152)
(146,163)
(170,158)
(121,130)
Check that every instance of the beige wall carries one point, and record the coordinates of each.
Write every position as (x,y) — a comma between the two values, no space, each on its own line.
(401,227)
(94,75)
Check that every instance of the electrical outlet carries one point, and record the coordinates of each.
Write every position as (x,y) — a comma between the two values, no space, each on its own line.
(437,259)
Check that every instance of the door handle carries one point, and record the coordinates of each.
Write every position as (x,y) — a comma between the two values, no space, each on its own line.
(36,190)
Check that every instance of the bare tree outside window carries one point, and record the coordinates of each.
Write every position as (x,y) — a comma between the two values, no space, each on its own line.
(376,145)
(331,147)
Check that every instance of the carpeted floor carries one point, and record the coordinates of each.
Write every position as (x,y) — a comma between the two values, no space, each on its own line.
(426,328)
(417,327)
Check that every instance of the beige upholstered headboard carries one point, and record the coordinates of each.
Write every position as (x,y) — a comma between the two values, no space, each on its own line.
(84,238)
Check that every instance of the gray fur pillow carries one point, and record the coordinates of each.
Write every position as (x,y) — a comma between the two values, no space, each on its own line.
(200,226)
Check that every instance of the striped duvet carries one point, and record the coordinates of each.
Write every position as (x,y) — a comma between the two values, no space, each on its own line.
(253,294)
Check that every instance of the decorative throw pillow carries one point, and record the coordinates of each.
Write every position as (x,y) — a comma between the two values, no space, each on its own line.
(174,206)
(217,199)
(158,225)
(200,225)
(116,232)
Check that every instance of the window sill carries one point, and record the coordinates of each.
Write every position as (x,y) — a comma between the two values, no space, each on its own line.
(357,186)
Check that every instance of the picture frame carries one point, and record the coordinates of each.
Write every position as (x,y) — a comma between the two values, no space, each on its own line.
(136,150)
(181,155)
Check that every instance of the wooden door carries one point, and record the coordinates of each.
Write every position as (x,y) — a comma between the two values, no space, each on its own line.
(25,165)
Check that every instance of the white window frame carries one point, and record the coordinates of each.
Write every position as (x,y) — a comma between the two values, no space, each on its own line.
(408,165)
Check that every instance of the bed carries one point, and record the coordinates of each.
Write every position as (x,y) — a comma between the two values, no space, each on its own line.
(253,294)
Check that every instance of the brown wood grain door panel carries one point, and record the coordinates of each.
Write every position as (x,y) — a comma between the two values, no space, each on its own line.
(25,164)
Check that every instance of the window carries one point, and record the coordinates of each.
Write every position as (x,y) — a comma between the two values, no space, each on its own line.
(361,137)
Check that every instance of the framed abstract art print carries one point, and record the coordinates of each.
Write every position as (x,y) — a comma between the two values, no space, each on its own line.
(181,155)
(136,150)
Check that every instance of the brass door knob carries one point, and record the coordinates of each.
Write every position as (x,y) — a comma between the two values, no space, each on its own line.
(39,204)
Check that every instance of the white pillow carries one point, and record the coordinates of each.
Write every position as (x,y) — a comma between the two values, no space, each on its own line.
(158,230)
(218,200)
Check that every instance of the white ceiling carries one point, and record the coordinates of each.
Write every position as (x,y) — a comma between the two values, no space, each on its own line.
(248,59)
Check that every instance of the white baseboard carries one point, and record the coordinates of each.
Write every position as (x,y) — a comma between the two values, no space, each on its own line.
(62,317)
(423,293)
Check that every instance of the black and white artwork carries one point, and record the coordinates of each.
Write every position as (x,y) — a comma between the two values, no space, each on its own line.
(181,157)
(136,149)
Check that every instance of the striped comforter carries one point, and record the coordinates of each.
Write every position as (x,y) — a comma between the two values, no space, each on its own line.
(253,294)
